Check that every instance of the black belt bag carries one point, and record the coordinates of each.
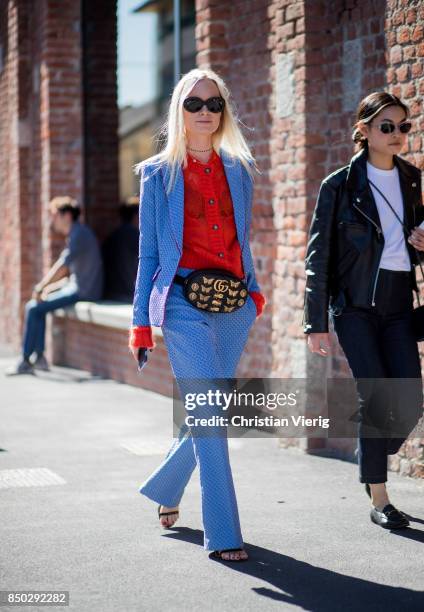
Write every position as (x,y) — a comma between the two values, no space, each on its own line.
(213,290)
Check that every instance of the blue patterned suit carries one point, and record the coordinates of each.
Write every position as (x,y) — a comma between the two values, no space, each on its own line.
(201,345)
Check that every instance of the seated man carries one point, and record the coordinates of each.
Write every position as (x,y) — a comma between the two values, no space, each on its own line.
(76,275)
(120,255)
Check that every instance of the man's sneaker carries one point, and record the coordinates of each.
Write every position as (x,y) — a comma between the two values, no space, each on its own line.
(22,367)
(41,363)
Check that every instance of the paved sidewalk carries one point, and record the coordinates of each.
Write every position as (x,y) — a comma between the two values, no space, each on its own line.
(304,519)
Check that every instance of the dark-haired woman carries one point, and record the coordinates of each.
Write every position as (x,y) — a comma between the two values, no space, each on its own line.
(360,259)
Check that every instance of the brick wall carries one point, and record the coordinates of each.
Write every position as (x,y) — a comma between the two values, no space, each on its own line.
(103,351)
(233,51)
(58,108)
(404,27)
(41,142)
(100,115)
(10,114)
(297,69)
(384,42)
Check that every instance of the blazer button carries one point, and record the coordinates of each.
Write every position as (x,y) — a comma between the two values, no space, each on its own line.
(414,184)
(358,199)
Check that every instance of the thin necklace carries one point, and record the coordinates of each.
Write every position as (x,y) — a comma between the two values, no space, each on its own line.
(200,150)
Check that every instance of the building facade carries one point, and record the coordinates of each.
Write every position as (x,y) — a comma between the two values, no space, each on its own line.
(297,69)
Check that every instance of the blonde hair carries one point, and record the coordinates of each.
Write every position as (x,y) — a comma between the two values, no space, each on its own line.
(228,136)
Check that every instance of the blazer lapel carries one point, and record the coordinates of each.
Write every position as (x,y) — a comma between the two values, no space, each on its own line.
(176,204)
(232,168)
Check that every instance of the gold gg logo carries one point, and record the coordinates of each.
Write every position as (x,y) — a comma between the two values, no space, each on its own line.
(220,285)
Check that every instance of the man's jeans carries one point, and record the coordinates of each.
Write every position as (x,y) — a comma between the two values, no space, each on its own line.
(35,318)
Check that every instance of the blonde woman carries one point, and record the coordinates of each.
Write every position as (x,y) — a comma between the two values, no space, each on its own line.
(195,214)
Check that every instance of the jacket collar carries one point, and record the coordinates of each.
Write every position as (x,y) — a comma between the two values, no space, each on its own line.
(175,198)
(363,199)
(357,173)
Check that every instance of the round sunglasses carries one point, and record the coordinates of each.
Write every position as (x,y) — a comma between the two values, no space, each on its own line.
(195,104)
(386,127)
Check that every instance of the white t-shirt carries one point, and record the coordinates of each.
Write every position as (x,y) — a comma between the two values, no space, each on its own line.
(395,254)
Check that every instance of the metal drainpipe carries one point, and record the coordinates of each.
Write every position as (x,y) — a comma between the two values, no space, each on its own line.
(84,78)
(177,41)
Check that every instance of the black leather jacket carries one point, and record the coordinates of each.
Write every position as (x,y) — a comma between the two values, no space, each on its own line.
(346,240)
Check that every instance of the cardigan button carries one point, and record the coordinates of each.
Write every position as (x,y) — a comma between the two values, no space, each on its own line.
(215,227)
(414,184)
(211,201)
(207,170)
(220,254)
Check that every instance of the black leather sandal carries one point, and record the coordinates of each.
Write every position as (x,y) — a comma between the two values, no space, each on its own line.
(217,554)
(167,514)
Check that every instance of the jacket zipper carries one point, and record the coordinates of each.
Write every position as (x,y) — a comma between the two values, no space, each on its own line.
(375,285)
(379,232)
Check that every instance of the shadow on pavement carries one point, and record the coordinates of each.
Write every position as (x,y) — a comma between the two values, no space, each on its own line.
(310,587)
(72,376)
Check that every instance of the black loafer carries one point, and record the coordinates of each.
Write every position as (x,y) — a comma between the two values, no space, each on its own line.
(368,492)
(389,517)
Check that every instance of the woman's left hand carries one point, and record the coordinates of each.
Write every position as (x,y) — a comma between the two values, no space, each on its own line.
(417,238)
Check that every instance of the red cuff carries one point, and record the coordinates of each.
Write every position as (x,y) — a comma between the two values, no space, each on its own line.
(141,337)
(259,300)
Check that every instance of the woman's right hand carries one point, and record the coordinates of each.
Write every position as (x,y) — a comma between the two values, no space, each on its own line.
(319,343)
(140,355)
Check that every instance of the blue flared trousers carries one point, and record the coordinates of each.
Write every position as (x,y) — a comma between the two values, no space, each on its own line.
(202,345)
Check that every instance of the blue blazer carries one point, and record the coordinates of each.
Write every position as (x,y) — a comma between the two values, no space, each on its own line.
(161,234)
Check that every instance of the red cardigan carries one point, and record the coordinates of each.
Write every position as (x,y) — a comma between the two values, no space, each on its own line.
(210,234)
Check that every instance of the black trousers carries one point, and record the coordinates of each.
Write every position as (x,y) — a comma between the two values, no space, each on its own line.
(379,344)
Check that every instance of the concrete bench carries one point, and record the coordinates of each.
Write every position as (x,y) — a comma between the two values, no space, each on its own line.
(93,336)
(105,312)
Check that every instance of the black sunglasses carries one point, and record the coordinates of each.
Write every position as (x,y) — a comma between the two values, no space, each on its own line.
(214,105)
(388,128)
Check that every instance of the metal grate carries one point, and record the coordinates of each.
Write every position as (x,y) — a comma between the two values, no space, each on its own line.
(147,447)
(29,477)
